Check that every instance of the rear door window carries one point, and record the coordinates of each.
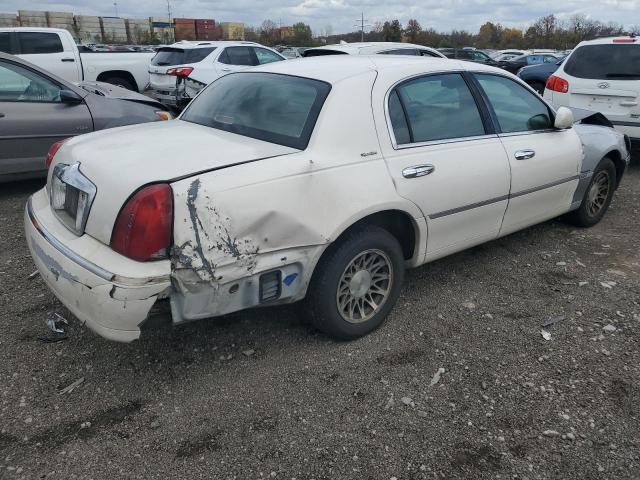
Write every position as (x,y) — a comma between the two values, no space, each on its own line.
(5,42)
(238,56)
(266,56)
(401,51)
(38,42)
(516,108)
(178,56)
(434,107)
(605,62)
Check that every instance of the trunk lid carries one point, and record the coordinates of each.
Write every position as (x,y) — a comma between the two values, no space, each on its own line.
(121,160)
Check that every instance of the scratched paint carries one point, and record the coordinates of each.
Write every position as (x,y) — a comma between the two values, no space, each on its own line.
(212,239)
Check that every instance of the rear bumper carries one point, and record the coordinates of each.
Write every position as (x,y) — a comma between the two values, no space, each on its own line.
(112,305)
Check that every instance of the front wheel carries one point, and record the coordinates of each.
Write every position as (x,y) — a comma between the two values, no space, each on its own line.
(356,283)
(597,197)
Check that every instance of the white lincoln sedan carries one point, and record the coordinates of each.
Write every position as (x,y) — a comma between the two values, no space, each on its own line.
(319,179)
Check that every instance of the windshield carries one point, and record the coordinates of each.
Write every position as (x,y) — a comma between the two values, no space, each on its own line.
(275,108)
(177,56)
(605,62)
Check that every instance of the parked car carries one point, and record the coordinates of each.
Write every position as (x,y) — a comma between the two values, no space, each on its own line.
(55,50)
(308,179)
(291,52)
(467,55)
(536,76)
(373,48)
(180,71)
(510,53)
(602,75)
(515,64)
(38,109)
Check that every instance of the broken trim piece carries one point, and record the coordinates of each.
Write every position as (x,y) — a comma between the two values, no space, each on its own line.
(83,262)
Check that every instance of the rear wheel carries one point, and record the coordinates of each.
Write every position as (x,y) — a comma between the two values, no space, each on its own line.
(356,284)
(120,82)
(597,197)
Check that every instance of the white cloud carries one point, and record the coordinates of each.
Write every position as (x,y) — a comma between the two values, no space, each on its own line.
(342,14)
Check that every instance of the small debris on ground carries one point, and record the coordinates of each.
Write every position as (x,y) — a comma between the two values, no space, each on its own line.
(436,377)
(55,322)
(608,284)
(33,275)
(609,328)
(72,387)
(546,335)
(553,320)
(408,401)
(248,352)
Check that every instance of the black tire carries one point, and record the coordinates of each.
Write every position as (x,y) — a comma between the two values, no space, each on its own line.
(538,87)
(322,297)
(585,215)
(120,82)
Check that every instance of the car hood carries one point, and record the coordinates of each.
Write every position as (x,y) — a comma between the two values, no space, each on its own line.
(121,160)
(107,90)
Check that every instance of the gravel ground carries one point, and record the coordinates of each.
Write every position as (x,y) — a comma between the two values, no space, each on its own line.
(260,394)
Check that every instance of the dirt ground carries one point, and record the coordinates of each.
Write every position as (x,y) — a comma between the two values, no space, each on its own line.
(261,395)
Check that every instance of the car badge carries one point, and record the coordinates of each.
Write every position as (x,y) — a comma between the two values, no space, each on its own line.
(603,85)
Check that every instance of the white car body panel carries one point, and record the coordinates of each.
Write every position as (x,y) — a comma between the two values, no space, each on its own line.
(72,66)
(243,207)
(376,48)
(618,100)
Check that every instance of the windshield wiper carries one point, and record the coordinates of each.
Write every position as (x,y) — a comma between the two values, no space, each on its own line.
(622,75)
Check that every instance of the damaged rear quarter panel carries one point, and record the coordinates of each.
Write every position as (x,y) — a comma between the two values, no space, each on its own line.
(235,222)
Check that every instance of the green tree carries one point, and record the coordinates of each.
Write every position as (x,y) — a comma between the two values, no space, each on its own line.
(392,31)
(412,31)
(301,34)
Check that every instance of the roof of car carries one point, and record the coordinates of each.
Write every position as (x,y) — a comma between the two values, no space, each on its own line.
(335,68)
(185,44)
(356,47)
(621,39)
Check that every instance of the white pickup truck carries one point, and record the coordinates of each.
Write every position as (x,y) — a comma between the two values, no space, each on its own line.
(55,50)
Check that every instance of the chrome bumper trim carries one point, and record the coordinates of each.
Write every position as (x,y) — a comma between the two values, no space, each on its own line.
(86,264)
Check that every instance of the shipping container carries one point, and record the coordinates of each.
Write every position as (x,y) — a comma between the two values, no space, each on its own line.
(32,18)
(138,30)
(185,29)
(9,20)
(232,30)
(114,30)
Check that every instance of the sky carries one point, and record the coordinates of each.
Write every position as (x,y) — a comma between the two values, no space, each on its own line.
(341,16)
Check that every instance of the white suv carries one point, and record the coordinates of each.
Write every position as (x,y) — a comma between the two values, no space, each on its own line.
(603,76)
(374,48)
(178,72)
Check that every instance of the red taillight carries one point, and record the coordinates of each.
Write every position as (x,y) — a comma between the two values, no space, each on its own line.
(557,84)
(143,228)
(182,72)
(624,40)
(53,149)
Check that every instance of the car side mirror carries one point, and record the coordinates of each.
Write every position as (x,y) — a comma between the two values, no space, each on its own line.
(70,97)
(564,118)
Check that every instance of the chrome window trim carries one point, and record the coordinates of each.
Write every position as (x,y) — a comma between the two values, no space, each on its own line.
(404,146)
(87,264)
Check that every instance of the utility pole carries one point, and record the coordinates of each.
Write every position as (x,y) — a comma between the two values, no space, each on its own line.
(361,25)
(115,4)
(169,10)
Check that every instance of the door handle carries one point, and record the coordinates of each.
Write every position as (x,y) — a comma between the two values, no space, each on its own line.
(628,104)
(225,69)
(67,60)
(524,154)
(1,115)
(417,171)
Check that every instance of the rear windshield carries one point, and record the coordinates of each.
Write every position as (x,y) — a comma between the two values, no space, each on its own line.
(320,52)
(176,56)
(275,108)
(605,62)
